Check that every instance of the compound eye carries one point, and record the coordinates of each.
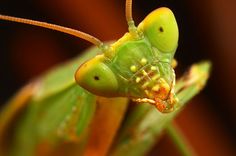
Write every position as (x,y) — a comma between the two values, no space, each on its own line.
(161,29)
(97,78)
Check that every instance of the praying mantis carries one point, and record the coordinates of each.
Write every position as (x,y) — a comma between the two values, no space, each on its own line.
(78,107)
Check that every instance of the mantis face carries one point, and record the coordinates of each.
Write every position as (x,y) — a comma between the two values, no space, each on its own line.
(137,67)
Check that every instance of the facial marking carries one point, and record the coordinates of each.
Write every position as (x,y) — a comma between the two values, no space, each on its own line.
(155,77)
(156,88)
(145,84)
(146,91)
(153,68)
(133,68)
(143,61)
(138,79)
(144,73)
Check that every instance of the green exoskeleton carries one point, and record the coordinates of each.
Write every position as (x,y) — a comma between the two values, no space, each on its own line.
(138,65)
(54,114)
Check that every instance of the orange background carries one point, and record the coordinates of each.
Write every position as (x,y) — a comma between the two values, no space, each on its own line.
(207,31)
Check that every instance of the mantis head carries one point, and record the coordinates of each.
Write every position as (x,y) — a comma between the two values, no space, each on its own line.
(138,65)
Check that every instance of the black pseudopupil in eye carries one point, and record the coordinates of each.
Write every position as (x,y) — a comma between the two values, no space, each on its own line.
(161,29)
(96,78)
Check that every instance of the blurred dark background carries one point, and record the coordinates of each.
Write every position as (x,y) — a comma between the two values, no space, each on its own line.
(207,31)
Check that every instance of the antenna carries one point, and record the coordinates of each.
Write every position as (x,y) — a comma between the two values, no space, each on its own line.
(59,28)
(129,18)
(128,11)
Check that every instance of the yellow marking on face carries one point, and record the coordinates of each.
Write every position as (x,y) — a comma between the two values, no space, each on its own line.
(155,77)
(144,73)
(133,68)
(145,84)
(156,88)
(164,84)
(138,79)
(153,68)
(143,61)
(146,92)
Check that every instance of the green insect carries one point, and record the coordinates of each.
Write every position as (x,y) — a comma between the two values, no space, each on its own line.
(138,65)
(52,115)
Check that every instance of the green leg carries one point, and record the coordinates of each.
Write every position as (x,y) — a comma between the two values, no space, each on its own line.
(186,88)
(179,140)
(144,124)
